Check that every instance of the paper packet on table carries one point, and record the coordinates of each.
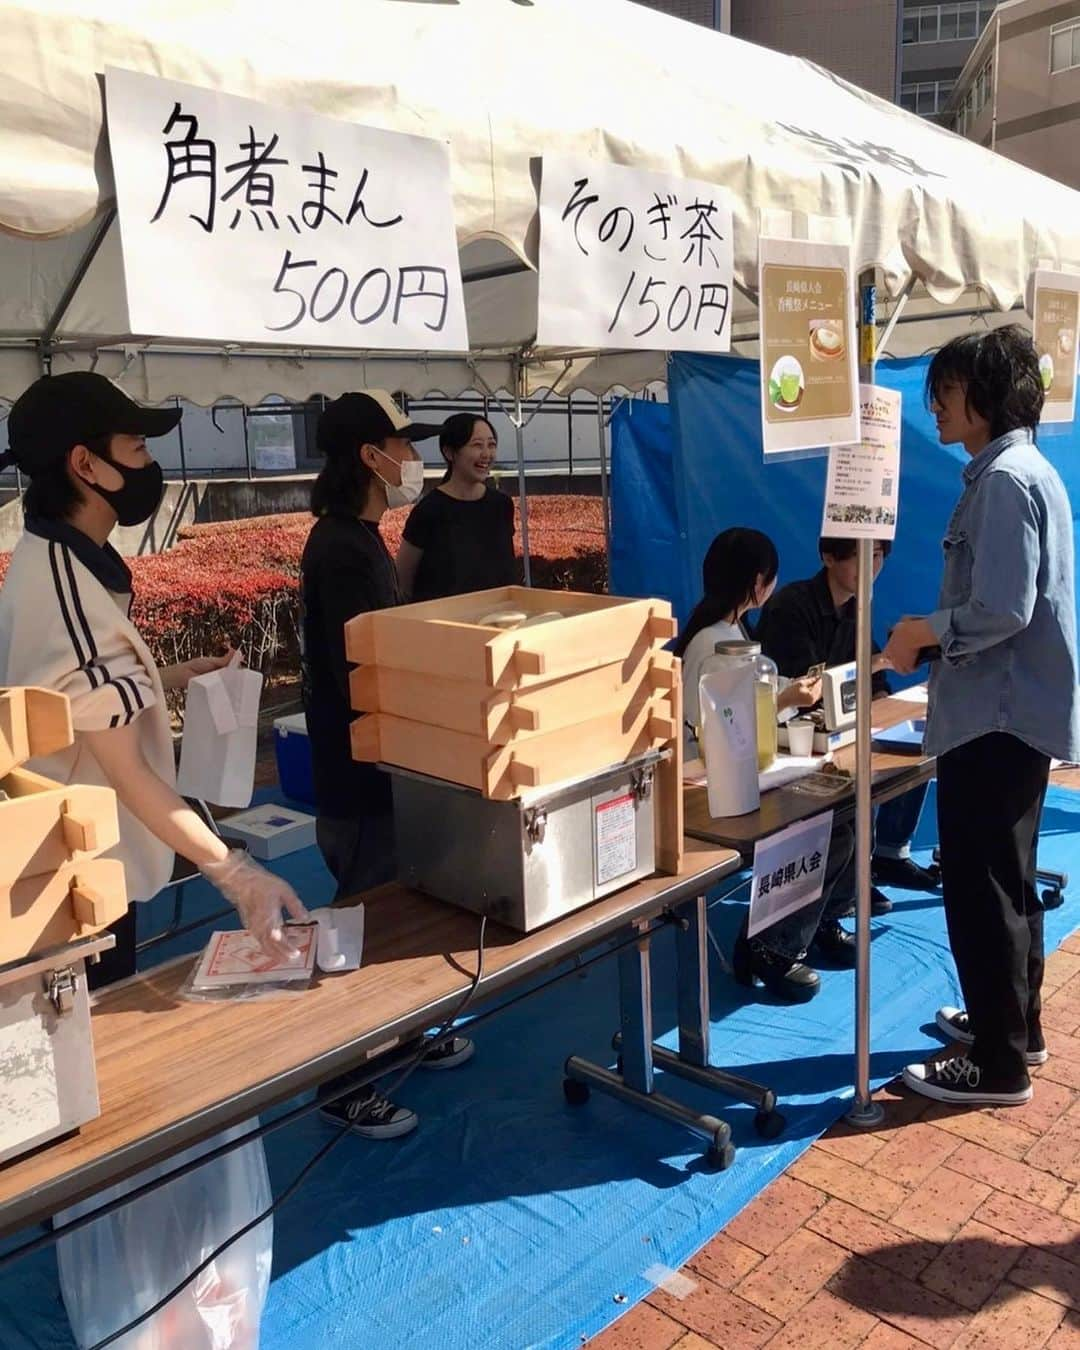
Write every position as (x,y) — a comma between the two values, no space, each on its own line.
(235,966)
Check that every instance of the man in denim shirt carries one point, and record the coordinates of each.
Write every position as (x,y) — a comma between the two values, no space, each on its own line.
(1003,703)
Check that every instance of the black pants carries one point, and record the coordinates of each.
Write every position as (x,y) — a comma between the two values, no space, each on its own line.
(990,798)
(118,963)
(359,853)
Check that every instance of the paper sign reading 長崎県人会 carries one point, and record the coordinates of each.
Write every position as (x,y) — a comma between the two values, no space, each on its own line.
(242,222)
(862,490)
(1056,313)
(809,368)
(789,871)
(630,258)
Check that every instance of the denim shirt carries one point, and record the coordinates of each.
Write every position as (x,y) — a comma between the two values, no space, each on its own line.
(1006,617)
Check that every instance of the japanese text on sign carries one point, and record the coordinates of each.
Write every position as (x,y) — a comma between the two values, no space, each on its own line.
(862,485)
(630,258)
(289,226)
(808,346)
(789,871)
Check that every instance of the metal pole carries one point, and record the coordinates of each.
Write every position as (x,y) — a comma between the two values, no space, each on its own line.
(183,448)
(247,444)
(864,1112)
(523,498)
(605,504)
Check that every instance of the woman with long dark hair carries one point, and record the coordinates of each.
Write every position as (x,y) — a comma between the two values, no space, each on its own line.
(1003,703)
(460,537)
(738,575)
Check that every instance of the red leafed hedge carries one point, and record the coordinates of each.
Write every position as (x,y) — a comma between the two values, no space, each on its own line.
(237,580)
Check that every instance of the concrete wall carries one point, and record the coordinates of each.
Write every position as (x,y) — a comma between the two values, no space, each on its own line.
(855,39)
(1038,115)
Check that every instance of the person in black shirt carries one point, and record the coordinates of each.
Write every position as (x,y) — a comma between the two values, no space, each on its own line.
(347,570)
(811,621)
(460,537)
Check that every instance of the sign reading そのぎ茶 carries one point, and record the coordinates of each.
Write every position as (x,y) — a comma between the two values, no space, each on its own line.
(630,258)
(243,222)
(809,368)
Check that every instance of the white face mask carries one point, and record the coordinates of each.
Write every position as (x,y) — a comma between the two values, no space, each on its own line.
(412,482)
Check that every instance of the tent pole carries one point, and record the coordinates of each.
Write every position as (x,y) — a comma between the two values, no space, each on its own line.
(865,1113)
(64,303)
(605,501)
(519,438)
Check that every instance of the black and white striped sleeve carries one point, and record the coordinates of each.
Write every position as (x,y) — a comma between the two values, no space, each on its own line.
(89,654)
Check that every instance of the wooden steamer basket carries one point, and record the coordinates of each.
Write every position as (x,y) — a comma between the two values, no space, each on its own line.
(504,711)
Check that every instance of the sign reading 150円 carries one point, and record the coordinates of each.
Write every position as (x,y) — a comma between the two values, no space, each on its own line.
(633,259)
(242,222)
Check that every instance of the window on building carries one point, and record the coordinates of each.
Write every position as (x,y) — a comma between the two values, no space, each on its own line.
(947,23)
(978,95)
(1064,46)
(926,97)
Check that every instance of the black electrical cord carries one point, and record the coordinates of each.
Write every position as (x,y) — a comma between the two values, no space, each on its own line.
(424,1048)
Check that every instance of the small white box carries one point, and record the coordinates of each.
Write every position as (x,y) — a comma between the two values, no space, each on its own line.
(270,831)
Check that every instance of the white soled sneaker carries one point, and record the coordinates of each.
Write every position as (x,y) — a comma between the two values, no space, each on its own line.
(956,1024)
(961,1082)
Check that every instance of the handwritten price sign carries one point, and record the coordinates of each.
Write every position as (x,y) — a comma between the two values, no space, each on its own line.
(241,222)
(630,258)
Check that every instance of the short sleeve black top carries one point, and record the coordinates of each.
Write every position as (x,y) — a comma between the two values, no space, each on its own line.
(467,546)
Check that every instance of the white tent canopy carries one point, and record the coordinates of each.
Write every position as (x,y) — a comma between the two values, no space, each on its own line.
(504,82)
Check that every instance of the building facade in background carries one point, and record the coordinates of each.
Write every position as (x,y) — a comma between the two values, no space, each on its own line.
(1019,91)
(936,42)
(855,39)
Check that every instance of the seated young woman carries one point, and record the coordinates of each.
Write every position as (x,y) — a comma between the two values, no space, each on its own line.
(738,575)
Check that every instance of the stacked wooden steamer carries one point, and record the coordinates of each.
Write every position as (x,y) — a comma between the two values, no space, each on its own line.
(583,683)
(55,890)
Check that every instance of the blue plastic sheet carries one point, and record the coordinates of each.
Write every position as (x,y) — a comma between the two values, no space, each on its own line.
(718,479)
(512,1220)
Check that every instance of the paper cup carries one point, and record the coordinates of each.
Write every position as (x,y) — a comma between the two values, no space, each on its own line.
(800,738)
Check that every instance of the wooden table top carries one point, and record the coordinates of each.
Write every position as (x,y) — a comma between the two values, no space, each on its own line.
(893,774)
(171,1073)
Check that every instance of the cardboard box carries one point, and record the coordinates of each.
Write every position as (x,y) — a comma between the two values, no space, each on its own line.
(270,831)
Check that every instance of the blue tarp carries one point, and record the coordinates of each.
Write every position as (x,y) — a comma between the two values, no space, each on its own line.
(717,479)
(511,1220)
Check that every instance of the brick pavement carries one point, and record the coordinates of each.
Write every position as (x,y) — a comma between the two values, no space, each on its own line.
(958,1230)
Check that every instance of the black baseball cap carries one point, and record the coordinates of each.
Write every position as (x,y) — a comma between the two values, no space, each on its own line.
(59,411)
(367,418)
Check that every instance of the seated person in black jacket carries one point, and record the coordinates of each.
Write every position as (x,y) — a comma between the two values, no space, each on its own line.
(813,621)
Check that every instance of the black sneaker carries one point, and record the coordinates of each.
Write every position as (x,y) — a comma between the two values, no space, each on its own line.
(834,945)
(956,1024)
(905,874)
(449,1054)
(784,978)
(370,1114)
(962,1083)
(879,904)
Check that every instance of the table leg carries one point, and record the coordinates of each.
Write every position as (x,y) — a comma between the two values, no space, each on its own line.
(634,1083)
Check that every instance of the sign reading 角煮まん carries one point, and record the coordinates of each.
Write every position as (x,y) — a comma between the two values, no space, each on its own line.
(789,871)
(809,371)
(1056,311)
(242,222)
(633,259)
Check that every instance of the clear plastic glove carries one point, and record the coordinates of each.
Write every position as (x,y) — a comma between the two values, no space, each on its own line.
(259,896)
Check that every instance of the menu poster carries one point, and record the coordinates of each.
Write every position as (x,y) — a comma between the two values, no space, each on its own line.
(1057,325)
(862,488)
(809,358)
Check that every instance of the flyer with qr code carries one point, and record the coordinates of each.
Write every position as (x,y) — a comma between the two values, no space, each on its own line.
(237,958)
(862,490)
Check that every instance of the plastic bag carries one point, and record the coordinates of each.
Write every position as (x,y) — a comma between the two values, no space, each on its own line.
(121,1265)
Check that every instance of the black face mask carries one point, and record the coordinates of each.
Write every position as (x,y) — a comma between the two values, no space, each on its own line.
(140,496)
